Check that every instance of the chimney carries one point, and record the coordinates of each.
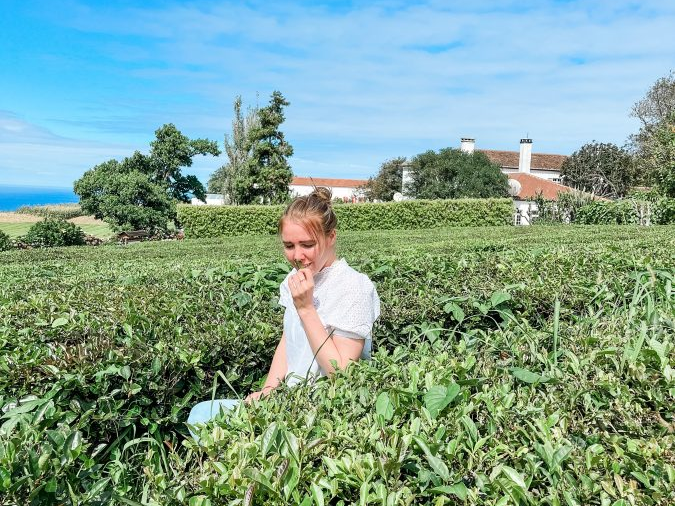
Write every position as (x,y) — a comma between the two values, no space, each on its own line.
(525,158)
(406,179)
(467,145)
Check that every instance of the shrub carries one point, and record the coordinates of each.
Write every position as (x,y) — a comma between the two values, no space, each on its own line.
(626,212)
(222,221)
(54,232)
(5,242)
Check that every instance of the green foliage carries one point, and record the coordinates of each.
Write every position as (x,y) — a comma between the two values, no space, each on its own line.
(221,221)
(224,180)
(169,152)
(602,169)
(125,197)
(655,111)
(140,191)
(658,157)
(481,386)
(5,242)
(65,211)
(54,232)
(387,181)
(628,211)
(563,210)
(267,175)
(452,174)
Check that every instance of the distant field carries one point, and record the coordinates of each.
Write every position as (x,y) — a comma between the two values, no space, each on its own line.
(15,224)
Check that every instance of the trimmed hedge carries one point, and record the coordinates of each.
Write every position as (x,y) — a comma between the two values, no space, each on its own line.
(223,221)
(626,212)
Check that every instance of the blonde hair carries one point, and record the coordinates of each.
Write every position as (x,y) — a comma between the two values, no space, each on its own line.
(314,212)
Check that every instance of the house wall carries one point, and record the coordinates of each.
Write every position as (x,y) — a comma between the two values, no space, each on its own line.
(339,192)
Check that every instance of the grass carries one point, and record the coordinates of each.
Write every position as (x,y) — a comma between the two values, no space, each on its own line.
(18,229)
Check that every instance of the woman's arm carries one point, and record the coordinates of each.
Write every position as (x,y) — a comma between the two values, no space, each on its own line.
(277,372)
(328,348)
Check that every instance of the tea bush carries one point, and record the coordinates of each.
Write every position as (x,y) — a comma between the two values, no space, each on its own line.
(54,232)
(521,365)
(221,221)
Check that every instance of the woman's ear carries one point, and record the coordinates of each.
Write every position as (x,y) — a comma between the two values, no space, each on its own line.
(332,235)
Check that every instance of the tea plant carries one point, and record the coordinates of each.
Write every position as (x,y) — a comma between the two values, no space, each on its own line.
(511,367)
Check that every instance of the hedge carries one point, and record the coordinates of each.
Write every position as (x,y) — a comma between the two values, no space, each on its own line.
(222,221)
(628,211)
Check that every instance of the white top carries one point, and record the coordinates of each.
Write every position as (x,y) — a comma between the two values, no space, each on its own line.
(347,304)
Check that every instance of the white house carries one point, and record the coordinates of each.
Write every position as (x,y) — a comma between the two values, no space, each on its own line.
(345,189)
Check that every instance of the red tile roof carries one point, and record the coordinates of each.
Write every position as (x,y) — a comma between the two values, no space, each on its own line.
(531,185)
(331,183)
(540,161)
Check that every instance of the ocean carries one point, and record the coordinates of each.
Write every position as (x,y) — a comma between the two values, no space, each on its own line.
(13,197)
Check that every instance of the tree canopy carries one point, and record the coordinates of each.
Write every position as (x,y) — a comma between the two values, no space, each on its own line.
(652,145)
(387,181)
(237,148)
(452,173)
(140,192)
(267,174)
(602,169)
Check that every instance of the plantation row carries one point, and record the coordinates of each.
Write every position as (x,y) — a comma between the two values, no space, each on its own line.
(512,366)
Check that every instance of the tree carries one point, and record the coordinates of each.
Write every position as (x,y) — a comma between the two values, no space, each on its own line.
(658,157)
(452,173)
(654,110)
(140,192)
(172,150)
(267,174)
(387,182)
(223,180)
(602,169)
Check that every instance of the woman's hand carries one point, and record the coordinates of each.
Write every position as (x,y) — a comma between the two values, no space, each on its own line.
(301,285)
(254,396)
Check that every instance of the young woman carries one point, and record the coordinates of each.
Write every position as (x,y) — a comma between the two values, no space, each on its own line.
(330,307)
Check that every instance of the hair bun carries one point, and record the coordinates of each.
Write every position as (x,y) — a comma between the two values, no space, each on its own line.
(322,193)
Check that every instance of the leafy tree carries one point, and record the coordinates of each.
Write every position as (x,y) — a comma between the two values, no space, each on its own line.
(658,157)
(172,150)
(603,169)
(223,180)
(140,192)
(653,111)
(452,173)
(387,182)
(267,174)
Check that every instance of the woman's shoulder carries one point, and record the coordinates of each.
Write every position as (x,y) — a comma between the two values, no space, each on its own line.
(352,277)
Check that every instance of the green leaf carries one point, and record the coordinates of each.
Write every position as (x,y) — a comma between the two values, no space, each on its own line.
(528,376)
(268,438)
(515,477)
(436,463)
(458,489)
(384,406)
(59,322)
(317,494)
(438,397)
(499,298)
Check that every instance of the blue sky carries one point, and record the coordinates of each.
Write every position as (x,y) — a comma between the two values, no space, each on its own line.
(85,81)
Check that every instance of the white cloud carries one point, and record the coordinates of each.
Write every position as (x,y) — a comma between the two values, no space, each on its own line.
(386,79)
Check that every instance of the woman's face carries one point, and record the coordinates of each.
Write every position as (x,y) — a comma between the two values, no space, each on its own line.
(300,247)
